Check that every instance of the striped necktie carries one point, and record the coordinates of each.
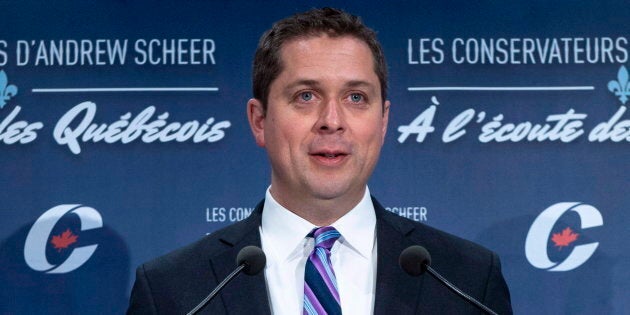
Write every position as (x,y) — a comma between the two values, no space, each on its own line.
(320,284)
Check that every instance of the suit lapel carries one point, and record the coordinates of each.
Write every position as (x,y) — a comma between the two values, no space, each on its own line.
(396,291)
(248,294)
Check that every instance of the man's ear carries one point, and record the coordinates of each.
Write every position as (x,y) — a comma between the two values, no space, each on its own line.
(385,118)
(256,117)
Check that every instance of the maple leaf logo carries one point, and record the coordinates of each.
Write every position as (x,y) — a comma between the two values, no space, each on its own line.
(565,238)
(63,240)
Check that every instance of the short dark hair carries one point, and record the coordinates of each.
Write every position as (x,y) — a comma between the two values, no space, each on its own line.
(332,22)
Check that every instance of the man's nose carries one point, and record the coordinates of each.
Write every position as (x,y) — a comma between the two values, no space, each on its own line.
(331,117)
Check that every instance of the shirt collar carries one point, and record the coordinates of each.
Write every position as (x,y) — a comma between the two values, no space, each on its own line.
(286,230)
(358,227)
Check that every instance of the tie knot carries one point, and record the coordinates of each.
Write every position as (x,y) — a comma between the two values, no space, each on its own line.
(325,236)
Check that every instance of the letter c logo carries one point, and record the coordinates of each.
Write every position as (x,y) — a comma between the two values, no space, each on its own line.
(538,236)
(37,239)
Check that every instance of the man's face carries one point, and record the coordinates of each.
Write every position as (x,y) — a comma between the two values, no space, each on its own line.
(325,121)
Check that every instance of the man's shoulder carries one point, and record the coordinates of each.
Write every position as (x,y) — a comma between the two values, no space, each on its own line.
(199,253)
(442,245)
(175,282)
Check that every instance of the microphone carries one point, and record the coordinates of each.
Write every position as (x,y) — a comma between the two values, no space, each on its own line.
(415,260)
(250,260)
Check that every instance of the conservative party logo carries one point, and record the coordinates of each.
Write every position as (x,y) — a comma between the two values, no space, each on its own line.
(541,234)
(49,235)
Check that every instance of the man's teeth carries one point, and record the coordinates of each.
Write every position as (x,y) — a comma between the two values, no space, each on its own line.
(328,155)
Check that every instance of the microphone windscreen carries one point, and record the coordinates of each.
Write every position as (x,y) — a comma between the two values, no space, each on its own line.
(253,258)
(414,260)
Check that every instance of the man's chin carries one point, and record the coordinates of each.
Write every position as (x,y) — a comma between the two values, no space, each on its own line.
(331,192)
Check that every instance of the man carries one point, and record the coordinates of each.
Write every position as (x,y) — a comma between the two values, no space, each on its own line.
(320,111)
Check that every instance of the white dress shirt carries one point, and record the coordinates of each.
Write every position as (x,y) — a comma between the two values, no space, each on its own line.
(353,256)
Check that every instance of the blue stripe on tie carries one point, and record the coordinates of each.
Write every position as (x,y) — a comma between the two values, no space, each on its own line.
(321,253)
(320,289)
(326,236)
(308,307)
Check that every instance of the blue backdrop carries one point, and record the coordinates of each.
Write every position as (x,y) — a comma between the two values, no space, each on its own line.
(123,136)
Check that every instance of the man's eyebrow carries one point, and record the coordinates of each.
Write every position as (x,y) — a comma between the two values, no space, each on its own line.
(304,82)
(315,83)
(360,83)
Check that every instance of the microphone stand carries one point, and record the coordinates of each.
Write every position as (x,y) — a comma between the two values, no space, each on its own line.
(455,289)
(217,289)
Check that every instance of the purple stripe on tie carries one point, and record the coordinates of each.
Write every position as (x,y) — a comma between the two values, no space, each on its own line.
(329,278)
(311,304)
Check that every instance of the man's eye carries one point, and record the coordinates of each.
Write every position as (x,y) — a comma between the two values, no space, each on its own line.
(355,97)
(306,96)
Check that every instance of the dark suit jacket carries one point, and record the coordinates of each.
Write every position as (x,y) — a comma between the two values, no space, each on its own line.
(178,281)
